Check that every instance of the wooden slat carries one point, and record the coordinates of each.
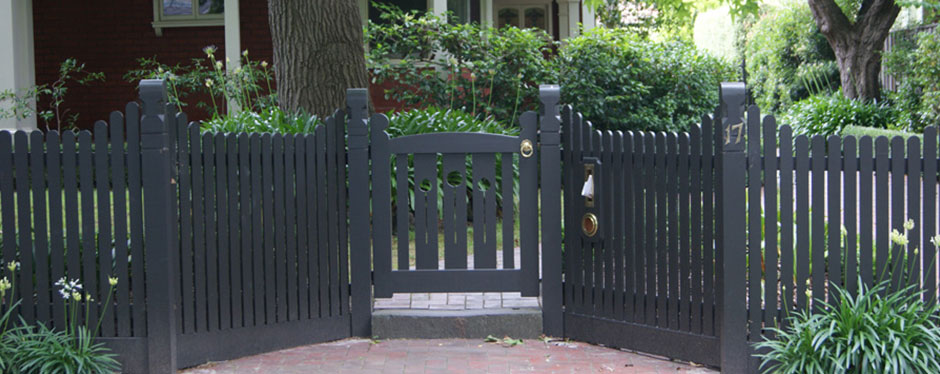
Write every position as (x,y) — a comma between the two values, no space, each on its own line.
(341,219)
(323,247)
(455,202)
(597,266)
(662,237)
(119,192)
(651,222)
(246,228)
(313,266)
(484,202)
(685,252)
(258,247)
(187,261)
(86,186)
(850,211)
(755,255)
(817,219)
(882,212)
(770,221)
(865,213)
(132,121)
(302,238)
(332,200)
(103,187)
(280,238)
(223,217)
(802,220)
(930,213)
(914,208)
(508,210)
(630,234)
(200,287)
(425,194)
(607,218)
(402,207)
(787,261)
(8,198)
(672,184)
(575,270)
(290,229)
(898,217)
(695,180)
(56,232)
(267,198)
(210,168)
(568,167)
(834,213)
(619,225)
(646,221)
(40,232)
(708,227)
(234,231)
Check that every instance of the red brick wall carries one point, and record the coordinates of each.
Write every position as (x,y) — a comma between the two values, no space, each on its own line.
(109,37)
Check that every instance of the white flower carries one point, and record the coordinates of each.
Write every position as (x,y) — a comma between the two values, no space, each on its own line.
(245,53)
(909,225)
(898,238)
(113,281)
(218,65)
(936,241)
(209,82)
(264,64)
(13,266)
(5,285)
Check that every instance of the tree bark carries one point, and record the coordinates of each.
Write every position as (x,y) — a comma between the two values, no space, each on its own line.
(318,53)
(857,45)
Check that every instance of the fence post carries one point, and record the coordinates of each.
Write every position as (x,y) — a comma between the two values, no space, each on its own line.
(359,245)
(159,242)
(732,266)
(550,153)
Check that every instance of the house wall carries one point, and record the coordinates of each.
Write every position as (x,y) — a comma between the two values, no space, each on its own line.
(110,36)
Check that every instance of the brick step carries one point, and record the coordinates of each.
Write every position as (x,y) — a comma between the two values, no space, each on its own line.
(467,324)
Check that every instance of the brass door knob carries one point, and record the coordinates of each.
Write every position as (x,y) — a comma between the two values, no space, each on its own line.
(589,224)
(526,148)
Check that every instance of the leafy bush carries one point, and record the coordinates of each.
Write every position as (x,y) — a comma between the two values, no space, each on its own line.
(872,332)
(618,80)
(24,103)
(788,59)
(827,114)
(433,119)
(486,71)
(270,119)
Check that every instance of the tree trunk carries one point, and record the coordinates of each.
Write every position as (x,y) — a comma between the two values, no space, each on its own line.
(857,45)
(318,53)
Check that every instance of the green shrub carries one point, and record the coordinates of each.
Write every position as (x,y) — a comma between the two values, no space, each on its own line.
(486,71)
(788,59)
(269,119)
(927,78)
(620,81)
(872,332)
(433,119)
(828,114)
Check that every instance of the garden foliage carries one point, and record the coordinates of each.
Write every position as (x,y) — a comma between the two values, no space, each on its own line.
(914,64)
(829,113)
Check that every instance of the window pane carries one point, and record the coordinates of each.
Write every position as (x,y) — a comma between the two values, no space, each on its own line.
(177,7)
(535,17)
(211,6)
(460,9)
(507,17)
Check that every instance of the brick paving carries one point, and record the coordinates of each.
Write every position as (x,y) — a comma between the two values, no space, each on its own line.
(448,356)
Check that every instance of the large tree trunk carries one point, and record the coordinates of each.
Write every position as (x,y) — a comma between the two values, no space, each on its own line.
(318,53)
(857,45)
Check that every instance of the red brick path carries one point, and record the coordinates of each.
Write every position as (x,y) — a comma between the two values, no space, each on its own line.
(447,356)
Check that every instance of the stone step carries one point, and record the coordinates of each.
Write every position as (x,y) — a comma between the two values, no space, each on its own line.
(523,323)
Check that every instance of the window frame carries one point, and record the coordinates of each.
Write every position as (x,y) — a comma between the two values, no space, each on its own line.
(521,8)
(161,21)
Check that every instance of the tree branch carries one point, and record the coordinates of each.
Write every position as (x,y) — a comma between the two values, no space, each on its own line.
(830,19)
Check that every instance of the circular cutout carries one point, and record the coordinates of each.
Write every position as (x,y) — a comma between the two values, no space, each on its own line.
(455,179)
(425,185)
(483,184)
(589,224)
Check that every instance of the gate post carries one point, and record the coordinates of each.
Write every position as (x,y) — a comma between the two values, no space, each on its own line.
(550,153)
(359,246)
(159,242)
(732,264)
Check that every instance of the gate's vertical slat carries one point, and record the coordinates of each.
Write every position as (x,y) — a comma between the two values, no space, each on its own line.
(597,266)
(685,252)
(41,248)
(508,206)
(323,221)
(834,210)
(607,222)
(57,251)
(280,239)
(618,196)
(341,216)
(333,204)
(575,271)
(649,246)
(755,255)
(865,216)
(425,193)
(247,229)
(455,212)
(382,202)
(402,205)
(187,302)
(234,218)
(882,225)
(212,219)
(914,209)
(630,236)
(103,187)
(695,179)
(528,209)
(661,249)
(132,120)
(23,228)
(802,219)
(672,230)
(266,251)
(301,263)
(897,209)
(817,219)
(568,199)
(770,221)
(708,225)
(224,249)
(89,252)
(930,213)
(199,231)
(484,247)
(290,232)
(489,214)
(313,228)
(588,249)
(787,262)
(7,199)
(849,176)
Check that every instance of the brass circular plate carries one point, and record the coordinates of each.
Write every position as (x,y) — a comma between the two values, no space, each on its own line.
(589,224)
(526,148)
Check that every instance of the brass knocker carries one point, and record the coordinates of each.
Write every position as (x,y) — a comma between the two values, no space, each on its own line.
(526,148)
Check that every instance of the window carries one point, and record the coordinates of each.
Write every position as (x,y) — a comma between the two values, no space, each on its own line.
(460,10)
(187,13)
(524,16)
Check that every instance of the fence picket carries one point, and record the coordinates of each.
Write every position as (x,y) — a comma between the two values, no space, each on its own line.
(234,235)
(882,212)
(755,256)
(834,213)
(289,228)
(802,221)
(86,186)
(695,179)
(930,213)
(787,261)
(850,185)
(211,168)
(41,240)
(769,126)
(914,198)
(247,229)
(708,225)
(865,214)
(56,237)
(898,217)
(630,235)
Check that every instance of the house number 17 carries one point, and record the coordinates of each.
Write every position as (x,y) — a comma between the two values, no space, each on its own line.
(730,128)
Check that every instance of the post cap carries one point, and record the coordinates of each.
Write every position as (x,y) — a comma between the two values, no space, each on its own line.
(154,95)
